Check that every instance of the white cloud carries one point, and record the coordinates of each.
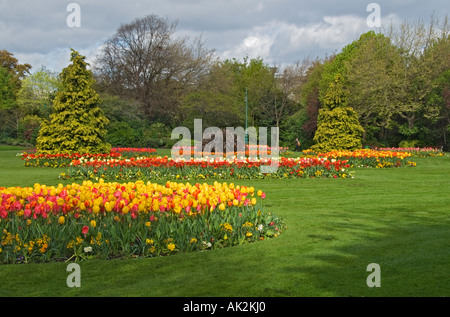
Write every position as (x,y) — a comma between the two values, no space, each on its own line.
(253,46)
(260,7)
(57,59)
(278,40)
(332,32)
(281,31)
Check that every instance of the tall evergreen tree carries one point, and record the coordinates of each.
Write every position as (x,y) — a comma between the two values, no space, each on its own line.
(77,124)
(338,126)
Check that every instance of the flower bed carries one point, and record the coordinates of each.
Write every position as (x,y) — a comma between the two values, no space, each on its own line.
(141,164)
(166,168)
(105,220)
(64,160)
(419,152)
(250,150)
(127,152)
(368,158)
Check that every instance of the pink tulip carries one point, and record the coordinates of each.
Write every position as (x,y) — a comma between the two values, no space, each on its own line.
(27,213)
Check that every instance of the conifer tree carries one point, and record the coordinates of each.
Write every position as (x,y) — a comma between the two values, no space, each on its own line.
(77,124)
(338,127)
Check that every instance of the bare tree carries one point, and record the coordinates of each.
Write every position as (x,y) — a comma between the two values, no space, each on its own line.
(290,82)
(144,61)
(283,97)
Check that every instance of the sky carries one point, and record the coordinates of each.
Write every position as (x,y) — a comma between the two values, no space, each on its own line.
(281,32)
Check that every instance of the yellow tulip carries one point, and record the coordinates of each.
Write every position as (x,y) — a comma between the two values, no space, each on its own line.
(108,206)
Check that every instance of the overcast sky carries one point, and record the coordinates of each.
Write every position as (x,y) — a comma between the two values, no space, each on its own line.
(281,31)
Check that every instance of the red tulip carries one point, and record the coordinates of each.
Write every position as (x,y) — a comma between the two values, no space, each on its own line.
(3,213)
(85,230)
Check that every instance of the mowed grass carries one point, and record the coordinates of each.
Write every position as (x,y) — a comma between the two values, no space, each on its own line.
(397,218)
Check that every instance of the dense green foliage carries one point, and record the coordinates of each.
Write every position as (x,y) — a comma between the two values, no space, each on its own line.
(397,83)
(338,127)
(77,124)
(6,89)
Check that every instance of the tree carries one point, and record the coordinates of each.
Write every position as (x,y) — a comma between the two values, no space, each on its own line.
(30,104)
(223,90)
(77,124)
(256,78)
(37,92)
(338,127)
(217,92)
(143,61)
(390,77)
(292,128)
(336,65)
(7,96)
(11,75)
(286,91)
(12,66)
(422,61)
(309,98)
(438,111)
(372,77)
(9,122)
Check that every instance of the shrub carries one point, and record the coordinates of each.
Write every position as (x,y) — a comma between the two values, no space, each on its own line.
(77,124)
(338,126)
(120,134)
(408,144)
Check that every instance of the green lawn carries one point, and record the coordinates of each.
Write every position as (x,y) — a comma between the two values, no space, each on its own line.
(397,218)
